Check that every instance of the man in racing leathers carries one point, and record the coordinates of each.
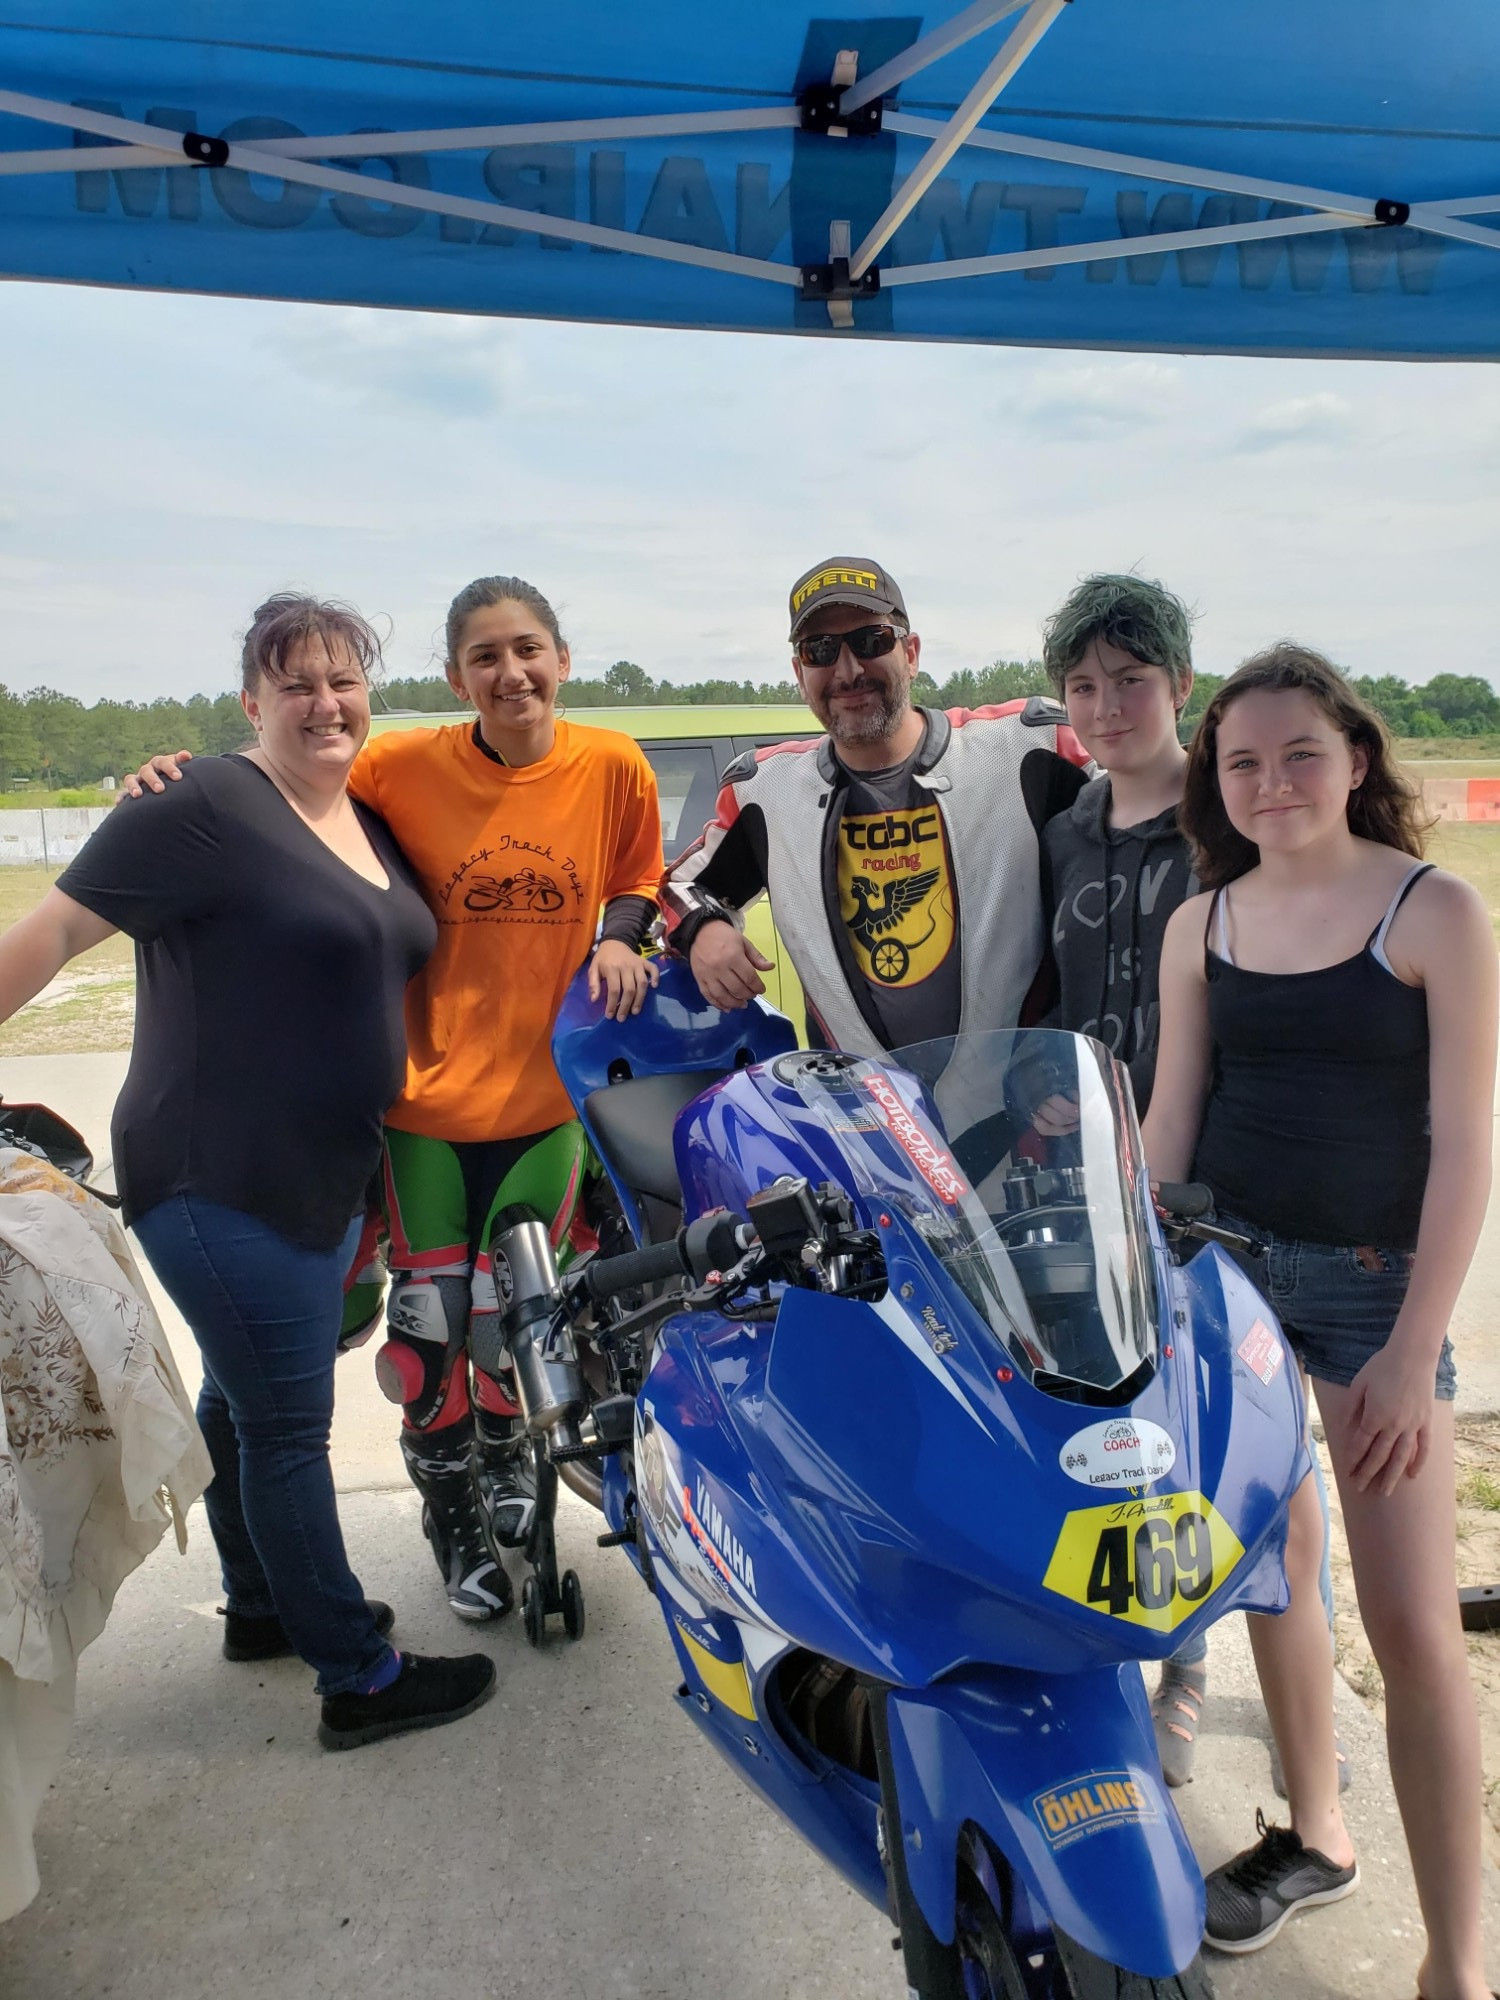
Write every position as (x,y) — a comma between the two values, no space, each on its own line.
(900,851)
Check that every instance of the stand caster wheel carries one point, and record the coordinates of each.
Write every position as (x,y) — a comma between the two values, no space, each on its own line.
(533,1611)
(572,1604)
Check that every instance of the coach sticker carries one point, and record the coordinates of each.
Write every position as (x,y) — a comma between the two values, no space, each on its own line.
(1093,1804)
(1262,1352)
(1126,1451)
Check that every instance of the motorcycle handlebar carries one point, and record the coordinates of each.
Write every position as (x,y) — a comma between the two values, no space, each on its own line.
(712,1243)
(1185,1199)
(607,1275)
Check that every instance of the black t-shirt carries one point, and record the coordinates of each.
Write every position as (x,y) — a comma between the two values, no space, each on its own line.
(269,981)
(899,903)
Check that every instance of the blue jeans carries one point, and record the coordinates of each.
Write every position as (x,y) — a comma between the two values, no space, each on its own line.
(265,1314)
(1337,1306)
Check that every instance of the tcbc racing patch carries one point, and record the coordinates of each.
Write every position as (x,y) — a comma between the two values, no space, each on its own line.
(896,893)
(1093,1804)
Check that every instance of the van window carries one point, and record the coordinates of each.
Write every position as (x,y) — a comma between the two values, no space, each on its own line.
(687,780)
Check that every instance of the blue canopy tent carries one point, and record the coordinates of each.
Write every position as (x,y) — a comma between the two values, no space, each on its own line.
(1252,176)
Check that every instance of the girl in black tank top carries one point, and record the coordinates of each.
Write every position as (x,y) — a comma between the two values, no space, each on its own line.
(1327,1067)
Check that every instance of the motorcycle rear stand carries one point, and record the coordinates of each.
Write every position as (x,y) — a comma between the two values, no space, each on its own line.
(544,1594)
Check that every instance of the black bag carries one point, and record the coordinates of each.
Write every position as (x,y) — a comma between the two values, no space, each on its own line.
(37,1130)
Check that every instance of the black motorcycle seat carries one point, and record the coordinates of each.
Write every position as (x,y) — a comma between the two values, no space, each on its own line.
(632,1123)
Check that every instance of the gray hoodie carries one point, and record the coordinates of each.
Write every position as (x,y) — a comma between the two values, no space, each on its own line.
(1108,893)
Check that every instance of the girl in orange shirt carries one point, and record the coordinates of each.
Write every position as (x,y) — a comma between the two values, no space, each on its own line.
(520,827)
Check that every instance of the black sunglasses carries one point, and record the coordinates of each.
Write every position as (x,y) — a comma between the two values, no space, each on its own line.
(865,642)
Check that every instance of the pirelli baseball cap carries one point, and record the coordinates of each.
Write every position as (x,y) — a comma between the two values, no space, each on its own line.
(846,580)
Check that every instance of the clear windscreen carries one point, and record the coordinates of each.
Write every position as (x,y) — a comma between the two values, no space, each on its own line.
(1017,1160)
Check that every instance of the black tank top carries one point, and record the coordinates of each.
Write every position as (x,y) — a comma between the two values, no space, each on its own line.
(1317,1121)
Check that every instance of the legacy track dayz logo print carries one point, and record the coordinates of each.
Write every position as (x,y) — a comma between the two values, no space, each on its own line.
(515,881)
(896,893)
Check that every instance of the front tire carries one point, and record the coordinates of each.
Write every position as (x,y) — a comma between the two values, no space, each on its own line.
(986,1965)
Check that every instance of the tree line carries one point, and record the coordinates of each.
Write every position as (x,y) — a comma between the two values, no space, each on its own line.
(1447,705)
(53,740)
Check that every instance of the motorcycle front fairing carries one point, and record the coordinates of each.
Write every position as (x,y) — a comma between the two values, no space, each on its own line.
(983,1502)
(926,1493)
(980,1496)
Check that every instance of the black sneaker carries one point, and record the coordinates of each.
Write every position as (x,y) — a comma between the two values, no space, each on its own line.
(265,1638)
(1251,1897)
(424,1695)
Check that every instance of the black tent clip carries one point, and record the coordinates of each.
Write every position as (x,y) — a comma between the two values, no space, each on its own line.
(204,151)
(1392,213)
(819,105)
(831,282)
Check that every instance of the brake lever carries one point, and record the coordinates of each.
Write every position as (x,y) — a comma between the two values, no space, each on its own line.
(1178,1230)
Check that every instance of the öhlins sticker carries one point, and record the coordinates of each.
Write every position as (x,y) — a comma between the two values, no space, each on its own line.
(1152,1561)
(1092,1804)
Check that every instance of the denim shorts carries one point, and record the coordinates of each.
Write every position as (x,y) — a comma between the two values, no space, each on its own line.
(1337,1306)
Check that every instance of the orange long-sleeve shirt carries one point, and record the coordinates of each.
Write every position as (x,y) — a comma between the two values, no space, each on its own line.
(516,864)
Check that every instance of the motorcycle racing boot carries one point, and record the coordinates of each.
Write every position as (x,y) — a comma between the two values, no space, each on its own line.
(504,1477)
(438,1463)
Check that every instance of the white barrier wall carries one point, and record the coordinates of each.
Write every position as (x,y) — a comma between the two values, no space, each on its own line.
(50,835)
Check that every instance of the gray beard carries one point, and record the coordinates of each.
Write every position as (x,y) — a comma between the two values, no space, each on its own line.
(874,725)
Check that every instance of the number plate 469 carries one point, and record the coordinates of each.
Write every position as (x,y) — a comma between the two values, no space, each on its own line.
(1153,1561)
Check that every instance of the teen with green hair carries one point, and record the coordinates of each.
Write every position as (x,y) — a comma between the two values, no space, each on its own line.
(1115,867)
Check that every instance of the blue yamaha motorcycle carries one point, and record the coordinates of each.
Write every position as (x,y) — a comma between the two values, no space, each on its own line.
(924,1442)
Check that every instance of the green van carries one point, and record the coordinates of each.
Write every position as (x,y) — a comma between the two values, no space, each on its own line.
(690,749)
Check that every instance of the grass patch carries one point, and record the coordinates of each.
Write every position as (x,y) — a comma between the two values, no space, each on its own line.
(92,1009)
(1422,749)
(95,1019)
(21,889)
(1478,1488)
(1472,850)
(28,801)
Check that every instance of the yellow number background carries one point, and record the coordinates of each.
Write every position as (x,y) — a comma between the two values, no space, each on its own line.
(1078,1543)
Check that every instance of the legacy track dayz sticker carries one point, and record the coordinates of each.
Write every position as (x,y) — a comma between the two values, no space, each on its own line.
(1125,1451)
(1152,1561)
(1092,1804)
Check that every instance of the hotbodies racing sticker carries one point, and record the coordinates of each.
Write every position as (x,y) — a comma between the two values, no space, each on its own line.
(935,1166)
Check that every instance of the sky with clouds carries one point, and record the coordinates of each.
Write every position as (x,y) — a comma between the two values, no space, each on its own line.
(168,461)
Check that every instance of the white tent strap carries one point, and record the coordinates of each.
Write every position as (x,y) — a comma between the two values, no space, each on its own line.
(461,138)
(1128,164)
(1118,246)
(1474,204)
(254,160)
(1438,223)
(1018,45)
(922,54)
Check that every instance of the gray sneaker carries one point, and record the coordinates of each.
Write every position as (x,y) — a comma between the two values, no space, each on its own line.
(1251,1897)
(1177,1712)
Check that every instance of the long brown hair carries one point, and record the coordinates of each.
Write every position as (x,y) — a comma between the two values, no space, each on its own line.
(1384,807)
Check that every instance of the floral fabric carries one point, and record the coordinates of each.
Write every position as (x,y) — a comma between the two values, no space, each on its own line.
(99,1454)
